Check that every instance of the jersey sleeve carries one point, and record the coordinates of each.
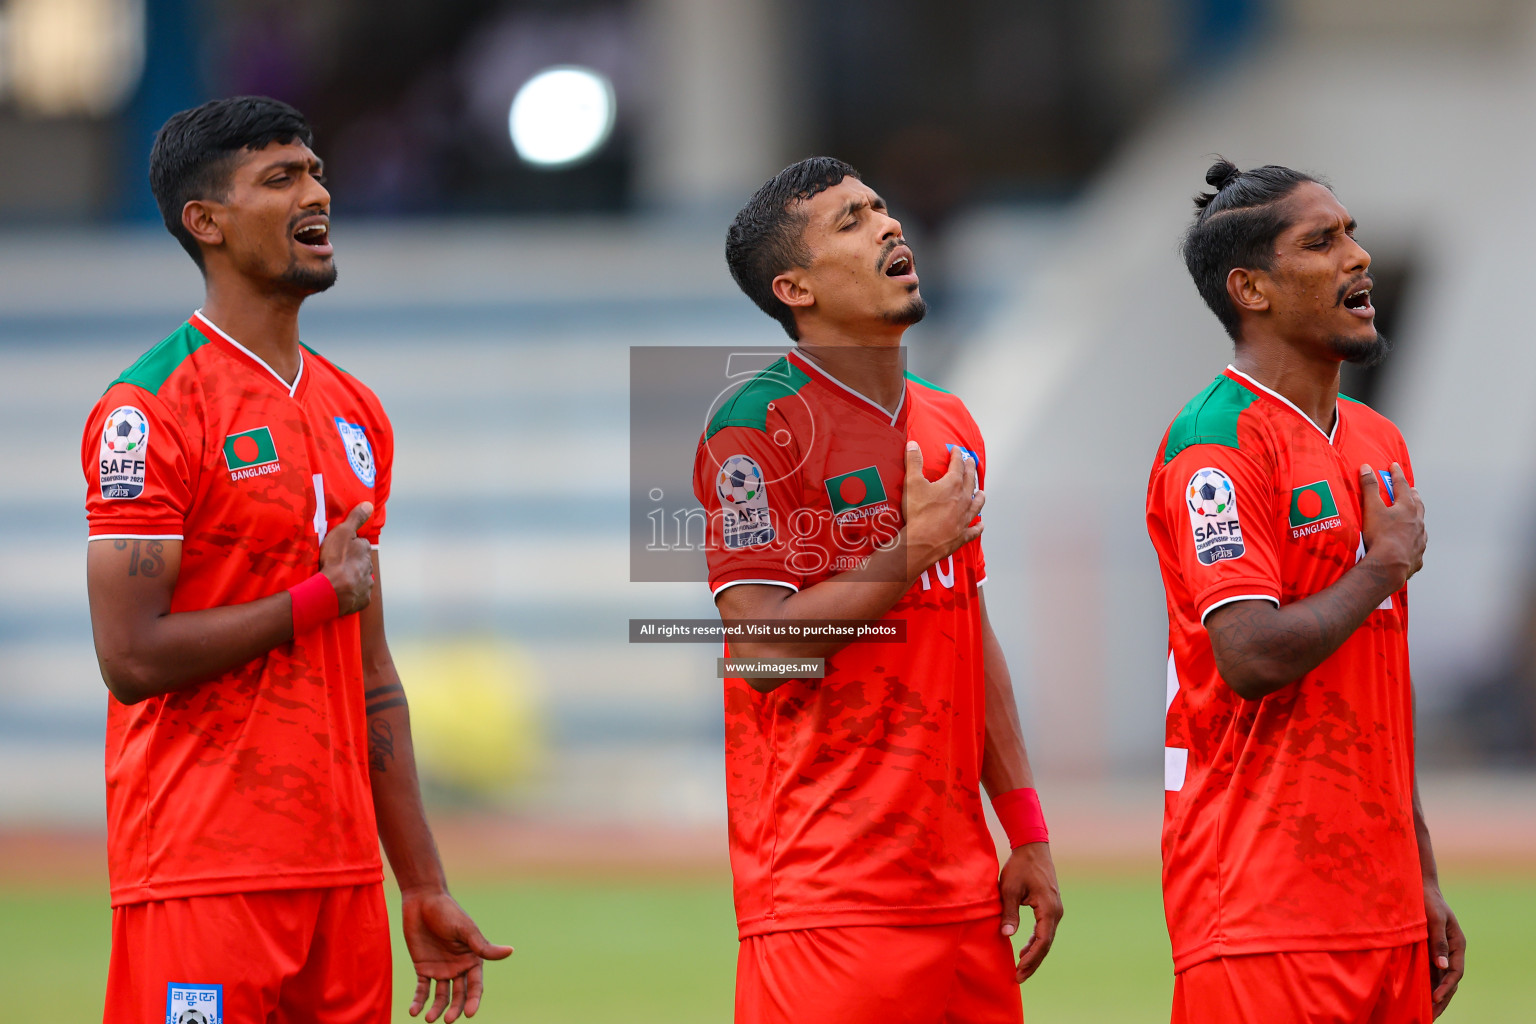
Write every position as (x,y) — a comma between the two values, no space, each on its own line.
(138,467)
(1217,504)
(749,488)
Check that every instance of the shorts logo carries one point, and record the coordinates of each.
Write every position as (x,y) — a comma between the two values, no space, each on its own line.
(744,503)
(124,440)
(854,492)
(194,1004)
(1212,504)
(1313,503)
(359,451)
(250,453)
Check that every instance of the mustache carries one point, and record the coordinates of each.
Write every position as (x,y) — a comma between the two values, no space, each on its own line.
(1345,289)
(885,253)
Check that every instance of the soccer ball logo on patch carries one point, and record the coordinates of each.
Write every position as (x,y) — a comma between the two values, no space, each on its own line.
(125,432)
(359,451)
(740,480)
(1210,493)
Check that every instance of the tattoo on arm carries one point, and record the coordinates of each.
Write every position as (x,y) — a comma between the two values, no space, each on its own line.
(1299,636)
(381,744)
(382,697)
(153,562)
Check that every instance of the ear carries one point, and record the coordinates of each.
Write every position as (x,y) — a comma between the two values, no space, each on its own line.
(200,218)
(1247,289)
(792,289)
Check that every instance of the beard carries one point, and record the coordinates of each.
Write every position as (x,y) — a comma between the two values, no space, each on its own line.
(309,281)
(909,314)
(1362,353)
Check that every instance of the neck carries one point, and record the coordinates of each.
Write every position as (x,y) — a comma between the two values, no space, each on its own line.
(266,322)
(1312,385)
(872,365)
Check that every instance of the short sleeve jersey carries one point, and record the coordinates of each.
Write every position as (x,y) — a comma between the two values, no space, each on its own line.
(855,798)
(257,779)
(1289,820)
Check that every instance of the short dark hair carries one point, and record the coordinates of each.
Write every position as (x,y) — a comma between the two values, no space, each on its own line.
(1236,227)
(767,236)
(195,149)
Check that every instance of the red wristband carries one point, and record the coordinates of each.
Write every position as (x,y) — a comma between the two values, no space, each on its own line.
(314,603)
(1019,811)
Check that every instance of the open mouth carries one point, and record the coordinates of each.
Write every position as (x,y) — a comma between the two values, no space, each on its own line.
(1359,302)
(314,235)
(900,265)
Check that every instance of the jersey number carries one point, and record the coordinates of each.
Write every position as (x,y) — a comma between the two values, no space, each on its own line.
(944,570)
(319,523)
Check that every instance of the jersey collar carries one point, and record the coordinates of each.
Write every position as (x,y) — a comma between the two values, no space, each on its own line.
(891,418)
(1338,414)
(213,330)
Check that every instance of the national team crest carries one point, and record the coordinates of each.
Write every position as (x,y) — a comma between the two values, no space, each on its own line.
(194,1004)
(359,451)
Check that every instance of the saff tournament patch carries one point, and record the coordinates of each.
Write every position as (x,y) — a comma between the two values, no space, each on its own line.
(744,502)
(194,1004)
(359,451)
(124,440)
(1212,504)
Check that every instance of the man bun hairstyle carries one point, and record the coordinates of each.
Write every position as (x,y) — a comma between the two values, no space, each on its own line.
(195,150)
(767,236)
(1236,226)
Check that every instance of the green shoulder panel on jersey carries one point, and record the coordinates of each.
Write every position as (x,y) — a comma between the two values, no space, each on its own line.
(155,367)
(1210,417)
(914,378)
(317,355)
(1355,400)
(748,407)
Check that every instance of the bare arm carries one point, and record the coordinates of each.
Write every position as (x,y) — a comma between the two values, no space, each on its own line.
(444,943)
(1260,648)
(1029,877)
(1447,943)
(939,519)
(145,651)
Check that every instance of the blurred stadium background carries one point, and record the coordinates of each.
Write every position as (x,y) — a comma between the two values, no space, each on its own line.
(1040,153)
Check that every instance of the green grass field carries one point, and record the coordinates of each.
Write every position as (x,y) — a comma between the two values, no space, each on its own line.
(663,952)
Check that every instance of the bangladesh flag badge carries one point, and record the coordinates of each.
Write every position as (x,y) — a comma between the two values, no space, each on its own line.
(248,449)
(855,490)
(1312,503)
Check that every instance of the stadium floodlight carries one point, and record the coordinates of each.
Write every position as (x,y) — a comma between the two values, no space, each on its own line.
(561,116)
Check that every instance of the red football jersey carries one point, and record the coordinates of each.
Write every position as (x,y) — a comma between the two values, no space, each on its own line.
(1289,820)
(856,798)
(257,779)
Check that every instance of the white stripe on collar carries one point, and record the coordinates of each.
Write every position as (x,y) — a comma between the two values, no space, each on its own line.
(1271,392)
(259,361)
(811,363)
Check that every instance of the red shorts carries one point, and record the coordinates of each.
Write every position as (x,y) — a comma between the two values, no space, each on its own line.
(920,974)
(1367,986)
(298,956)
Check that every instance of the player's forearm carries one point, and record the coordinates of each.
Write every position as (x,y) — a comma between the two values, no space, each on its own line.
(397,806)
(1427,865)
(166,653)
(1005,761)
(1260,649)
(865,593)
